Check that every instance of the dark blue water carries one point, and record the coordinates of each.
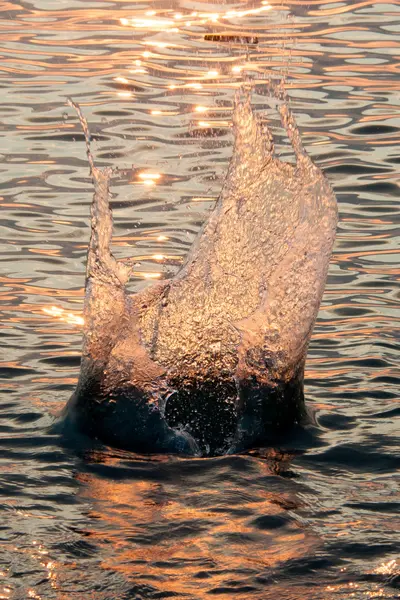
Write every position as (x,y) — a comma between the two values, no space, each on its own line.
(316,515)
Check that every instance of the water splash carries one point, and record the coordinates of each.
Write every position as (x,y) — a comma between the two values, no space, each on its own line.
(213,359)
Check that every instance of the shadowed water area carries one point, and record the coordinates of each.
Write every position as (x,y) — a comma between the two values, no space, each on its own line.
(313,515)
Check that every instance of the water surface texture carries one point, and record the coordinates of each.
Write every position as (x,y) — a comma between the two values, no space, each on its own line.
(314,516)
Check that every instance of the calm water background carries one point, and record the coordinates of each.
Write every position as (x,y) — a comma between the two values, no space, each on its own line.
(317,515)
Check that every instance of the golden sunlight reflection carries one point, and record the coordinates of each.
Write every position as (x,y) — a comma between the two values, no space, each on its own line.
(62,315)
(161,20)
(166,20)
(148,23)
(389,568)
(149,178)
(163,257)
(121,79)
(158,44)
(39,554)
(145,506)
(163,112)
(218,124)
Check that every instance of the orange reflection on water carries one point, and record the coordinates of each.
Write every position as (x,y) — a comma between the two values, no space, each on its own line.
(223,541)
(149,178)
(62,315)
(175,532)
(150,275)
(391,567)
(161,23)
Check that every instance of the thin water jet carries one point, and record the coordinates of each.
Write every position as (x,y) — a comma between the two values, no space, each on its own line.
(212,360)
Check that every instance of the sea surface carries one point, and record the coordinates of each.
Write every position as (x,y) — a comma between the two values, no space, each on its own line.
(316,515)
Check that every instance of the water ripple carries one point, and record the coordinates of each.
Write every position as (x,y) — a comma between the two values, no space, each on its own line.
(315,515)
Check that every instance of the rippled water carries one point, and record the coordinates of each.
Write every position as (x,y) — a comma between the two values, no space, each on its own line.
(315,516)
